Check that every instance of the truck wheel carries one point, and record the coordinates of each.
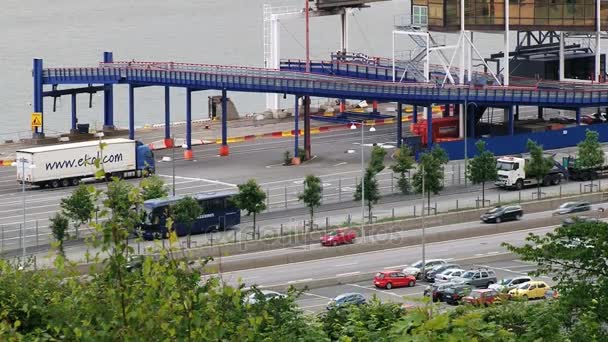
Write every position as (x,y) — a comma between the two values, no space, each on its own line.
(54,184)
(556,180)
(546,181)
(519,184)
(65,183)
(75,181)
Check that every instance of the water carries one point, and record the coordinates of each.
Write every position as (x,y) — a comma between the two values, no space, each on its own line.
(75,33)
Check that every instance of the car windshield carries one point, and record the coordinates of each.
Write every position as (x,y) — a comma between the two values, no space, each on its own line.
(468,274)
(475,294)
(505,166)
(524,286)
(505,281)
(333,233)
(418,264)
(495,210)
(380,275)
(567,205)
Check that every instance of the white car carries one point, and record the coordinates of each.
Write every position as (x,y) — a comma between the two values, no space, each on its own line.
(508,284)
(265,295)
(416,268)
(447,275)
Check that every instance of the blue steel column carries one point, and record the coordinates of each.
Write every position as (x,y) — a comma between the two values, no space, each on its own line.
(74,118)
(399,123)
(471,117)
(168,140)
(429,126)
(415,114)
(578,116)
(296,114)
(224,150)
(188,152)
(131,112)
(108,98)
(38,103)
(511,121)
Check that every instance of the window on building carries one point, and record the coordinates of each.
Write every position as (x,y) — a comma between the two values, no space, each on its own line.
(419,15)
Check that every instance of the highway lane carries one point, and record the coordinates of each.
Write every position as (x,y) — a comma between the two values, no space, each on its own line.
(394,258)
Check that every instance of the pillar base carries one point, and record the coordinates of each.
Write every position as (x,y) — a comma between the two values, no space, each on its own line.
(37,135)
(295,161)
(188,154)
(224,150)
(109,128)
(342,107)
(168,143)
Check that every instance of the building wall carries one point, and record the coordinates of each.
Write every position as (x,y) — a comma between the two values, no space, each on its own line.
(555,15)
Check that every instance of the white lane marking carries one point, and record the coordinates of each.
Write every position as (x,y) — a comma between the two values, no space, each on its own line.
(28,208)
(347,274)
(377,290)
(299,280)
(200,179)
(413,294)
(395,267)
(273,165)
(312,306)
(347,264)
(316,295)
(340,164)
(249,278)
(497,252)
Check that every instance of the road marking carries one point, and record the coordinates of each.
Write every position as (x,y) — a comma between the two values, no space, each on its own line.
(312,306)
(340,164)
(299,280)
(347,274)
(316,295)
(395,267)
(493,253)
(200,179)
(348,264)
(376,290)
(273,165)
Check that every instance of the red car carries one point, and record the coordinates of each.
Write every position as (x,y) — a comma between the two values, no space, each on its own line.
(482,297)
(338,237)
(390,279)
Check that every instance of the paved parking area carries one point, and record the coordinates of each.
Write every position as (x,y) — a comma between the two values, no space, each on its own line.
(315,301)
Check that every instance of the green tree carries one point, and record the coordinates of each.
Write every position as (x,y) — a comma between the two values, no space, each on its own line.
(153,187)
(482,169)
(59,228)
(538,166)
(404,162)
(312,195)
(185,212)
(372,191)
(250,198)
(376,162)
(79,206)
(590,152)
(431,167)
(575,256)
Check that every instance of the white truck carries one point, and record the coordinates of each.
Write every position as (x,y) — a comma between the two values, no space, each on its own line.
(68,164)
(512,174)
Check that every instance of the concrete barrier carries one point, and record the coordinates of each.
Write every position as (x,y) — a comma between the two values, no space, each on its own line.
(369,276)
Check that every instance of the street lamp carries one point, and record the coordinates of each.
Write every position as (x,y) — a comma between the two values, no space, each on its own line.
(185,146)
(422,226)
(23,161)
(371,129)
(466,124)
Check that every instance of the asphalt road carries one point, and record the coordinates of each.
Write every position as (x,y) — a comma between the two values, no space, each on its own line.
(261,159)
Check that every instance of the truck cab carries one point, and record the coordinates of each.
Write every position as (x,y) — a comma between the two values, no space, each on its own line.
(511,172)
(145,158)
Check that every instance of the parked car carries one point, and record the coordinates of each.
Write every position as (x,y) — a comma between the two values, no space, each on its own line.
(530,290)
(500,214)
(435,291)
(390,279)
(448,274)
(263,295)
(346,299)
(582,219)
(416,268)
(594,118)
(338,237)
(453,295)
(482,297)
(572,207)
(134,262)
(477,278)
(509,284)
(430,275)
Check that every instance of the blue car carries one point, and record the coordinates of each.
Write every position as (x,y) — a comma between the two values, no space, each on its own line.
(346,299)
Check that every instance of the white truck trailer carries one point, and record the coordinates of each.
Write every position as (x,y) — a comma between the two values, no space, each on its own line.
(68,164)
(512,174)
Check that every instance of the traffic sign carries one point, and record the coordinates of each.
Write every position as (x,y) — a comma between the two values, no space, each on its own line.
(36,120)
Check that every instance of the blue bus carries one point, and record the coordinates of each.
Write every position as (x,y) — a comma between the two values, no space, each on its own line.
(219,213)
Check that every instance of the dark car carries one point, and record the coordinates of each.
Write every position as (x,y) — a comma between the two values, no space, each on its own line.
(435,291)
(500,214)
(572,207)
(453,295)
(582,219)
(346,299)
(430,275)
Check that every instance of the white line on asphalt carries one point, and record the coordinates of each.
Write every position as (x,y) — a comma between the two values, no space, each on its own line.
(316,295)
(376,290)
(273,165)
(497,252)
(200,179)
(347,274)
(395,267)
(299,280)
(413,294)
(339,164)
(312,306)
(347,264)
